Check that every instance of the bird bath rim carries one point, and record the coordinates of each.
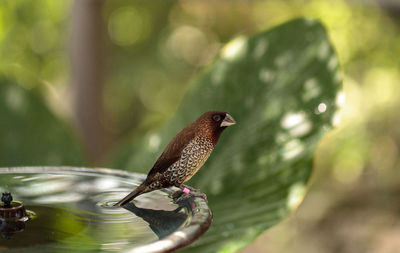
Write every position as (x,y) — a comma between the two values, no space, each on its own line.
(183,236)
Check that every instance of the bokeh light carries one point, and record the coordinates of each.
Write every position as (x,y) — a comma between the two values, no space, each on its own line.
(129,25)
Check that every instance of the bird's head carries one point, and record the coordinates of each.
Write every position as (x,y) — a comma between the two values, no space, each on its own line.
(216,120)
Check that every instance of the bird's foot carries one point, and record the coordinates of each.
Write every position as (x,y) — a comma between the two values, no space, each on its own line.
(198,194)
(179,196)
(187,192)
(176,196)
(193,192)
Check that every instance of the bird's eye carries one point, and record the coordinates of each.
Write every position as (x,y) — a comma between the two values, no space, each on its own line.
(216,117)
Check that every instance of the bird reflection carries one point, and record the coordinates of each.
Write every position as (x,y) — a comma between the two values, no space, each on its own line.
(162,222)
(8,229)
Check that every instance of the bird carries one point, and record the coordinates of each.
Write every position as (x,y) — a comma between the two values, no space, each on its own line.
(184,155)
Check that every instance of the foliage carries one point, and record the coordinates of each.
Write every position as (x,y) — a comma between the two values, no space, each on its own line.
(153,49)
(30,133)
(281,88)
(279,85)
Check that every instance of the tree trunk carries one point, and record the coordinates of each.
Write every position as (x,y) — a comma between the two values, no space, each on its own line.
(87,50)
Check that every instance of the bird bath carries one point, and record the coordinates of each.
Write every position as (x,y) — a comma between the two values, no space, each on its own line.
(71,210)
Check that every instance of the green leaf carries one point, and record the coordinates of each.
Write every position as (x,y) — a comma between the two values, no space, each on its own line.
(29,133)
(281,87)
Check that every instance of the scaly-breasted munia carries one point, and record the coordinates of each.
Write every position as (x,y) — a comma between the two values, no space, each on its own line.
(185,154)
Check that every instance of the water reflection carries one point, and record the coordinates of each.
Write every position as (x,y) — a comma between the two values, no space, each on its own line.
(163,222)
(74,212)
(49,226)
(8,229)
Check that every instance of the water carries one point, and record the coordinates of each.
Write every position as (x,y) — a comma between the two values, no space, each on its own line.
(73,211)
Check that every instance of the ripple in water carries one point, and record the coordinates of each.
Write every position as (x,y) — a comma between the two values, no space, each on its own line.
(74,211)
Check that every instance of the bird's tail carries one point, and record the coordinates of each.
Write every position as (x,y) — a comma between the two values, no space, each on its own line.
(139,190)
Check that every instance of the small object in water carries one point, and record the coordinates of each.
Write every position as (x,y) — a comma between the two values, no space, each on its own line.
(185,154)
(6,198)
(12,216)
(12,210)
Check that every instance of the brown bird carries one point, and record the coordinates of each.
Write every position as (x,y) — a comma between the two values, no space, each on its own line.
(185,154)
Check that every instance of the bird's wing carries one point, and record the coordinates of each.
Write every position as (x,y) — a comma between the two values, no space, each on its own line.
(172,152)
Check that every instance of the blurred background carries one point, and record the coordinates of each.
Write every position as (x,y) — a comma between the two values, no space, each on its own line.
(114,70)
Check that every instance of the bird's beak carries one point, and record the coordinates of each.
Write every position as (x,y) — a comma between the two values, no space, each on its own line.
(228,121)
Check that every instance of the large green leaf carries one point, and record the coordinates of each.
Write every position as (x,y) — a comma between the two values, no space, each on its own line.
(29,133)
(281,87)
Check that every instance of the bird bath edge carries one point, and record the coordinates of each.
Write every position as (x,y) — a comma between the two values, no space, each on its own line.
(83,198)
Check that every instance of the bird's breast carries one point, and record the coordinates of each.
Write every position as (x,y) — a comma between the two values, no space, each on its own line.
(193,156)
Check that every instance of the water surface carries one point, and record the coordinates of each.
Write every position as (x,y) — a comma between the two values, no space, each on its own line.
(74,211)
